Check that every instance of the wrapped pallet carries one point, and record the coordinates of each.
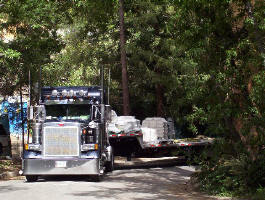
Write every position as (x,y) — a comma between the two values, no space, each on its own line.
(150,135)
(124,124)
(154,128)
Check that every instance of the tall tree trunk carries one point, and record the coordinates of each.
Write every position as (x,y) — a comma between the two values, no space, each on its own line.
(159,101)
(125,89)
(242,96)
(22,117)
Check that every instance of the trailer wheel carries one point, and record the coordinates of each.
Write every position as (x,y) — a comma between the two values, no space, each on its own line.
(110,164)
(31,178)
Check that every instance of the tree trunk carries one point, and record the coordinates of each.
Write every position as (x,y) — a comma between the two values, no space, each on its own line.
(22,117)
(241,97)
(159,101)
(125,89)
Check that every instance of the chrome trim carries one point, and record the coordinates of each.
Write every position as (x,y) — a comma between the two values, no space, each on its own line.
(74,141)
(73,167)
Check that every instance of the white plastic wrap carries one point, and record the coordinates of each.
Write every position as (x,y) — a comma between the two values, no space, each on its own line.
(124,124)
(151,135)
(159,125)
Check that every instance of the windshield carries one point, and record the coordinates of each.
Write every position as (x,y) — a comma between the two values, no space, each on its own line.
(68,112)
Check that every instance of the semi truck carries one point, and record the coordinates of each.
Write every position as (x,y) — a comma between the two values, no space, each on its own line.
(67,134)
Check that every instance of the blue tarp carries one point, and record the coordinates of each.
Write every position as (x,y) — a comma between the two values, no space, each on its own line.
(13,111)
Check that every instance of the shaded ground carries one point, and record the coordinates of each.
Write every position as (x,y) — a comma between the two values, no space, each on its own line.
(141,178)
(165,183)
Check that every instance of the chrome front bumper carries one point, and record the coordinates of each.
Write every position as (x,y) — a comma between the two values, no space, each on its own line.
(61,167)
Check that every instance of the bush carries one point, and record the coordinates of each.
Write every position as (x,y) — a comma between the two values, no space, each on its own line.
(259,194)
(228,173)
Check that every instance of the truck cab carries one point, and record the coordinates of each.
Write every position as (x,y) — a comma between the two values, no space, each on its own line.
(67,134)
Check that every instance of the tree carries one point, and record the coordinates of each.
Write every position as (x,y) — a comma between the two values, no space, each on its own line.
(220,84)
(220,43)
(33,26)
(125,89)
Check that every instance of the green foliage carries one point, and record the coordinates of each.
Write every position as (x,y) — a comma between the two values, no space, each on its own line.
(33,27)
(6,165)
(259,194)
(257,94)
(227,170)
(8,54)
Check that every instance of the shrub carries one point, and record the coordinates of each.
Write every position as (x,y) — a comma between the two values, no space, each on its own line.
(228,173)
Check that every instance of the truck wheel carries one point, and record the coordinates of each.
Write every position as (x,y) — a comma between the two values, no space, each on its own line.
(31,178)
(129,157)
(110,164)
(97,178)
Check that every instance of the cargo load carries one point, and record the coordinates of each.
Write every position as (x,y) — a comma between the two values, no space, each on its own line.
(124,125)
(155,133)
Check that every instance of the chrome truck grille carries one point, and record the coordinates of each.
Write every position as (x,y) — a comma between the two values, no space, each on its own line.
(61,141)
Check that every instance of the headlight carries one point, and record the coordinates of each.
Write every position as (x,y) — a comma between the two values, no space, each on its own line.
(33,147)
(54,93)
(81,93)
(71,93)
(64,93)
(86,147)
(90,139)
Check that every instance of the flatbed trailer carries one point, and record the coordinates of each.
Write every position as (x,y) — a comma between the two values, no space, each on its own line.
(134,142)
(169,143)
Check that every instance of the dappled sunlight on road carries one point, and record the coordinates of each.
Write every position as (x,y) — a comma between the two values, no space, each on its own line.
(164,183)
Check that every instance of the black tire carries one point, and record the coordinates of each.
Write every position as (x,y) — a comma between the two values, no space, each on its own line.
(110,164)
(97,178)
(31,178)
(129,157)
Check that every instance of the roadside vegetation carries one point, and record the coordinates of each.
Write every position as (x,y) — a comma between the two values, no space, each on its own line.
(230,172)
(9,166)
(200,62)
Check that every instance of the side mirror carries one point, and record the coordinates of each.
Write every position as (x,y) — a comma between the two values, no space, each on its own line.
(30,113)
(41,113)
(36,113)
